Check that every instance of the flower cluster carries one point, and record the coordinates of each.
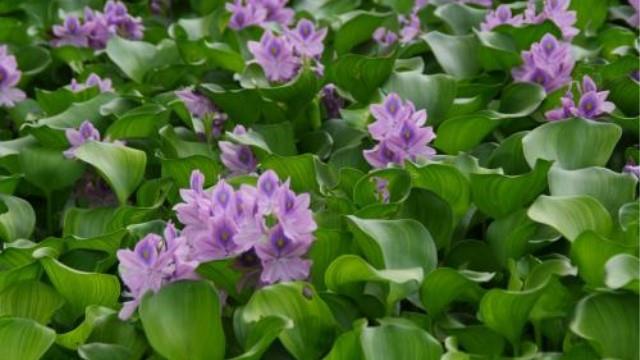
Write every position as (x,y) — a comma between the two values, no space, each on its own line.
(104,85)
(246,13)
(548,63)
(281,57)
(239,159)
(269,219)
(410,28)
(556,11)
(200,107)
(9,78)
(400,132)
(154,262)
(98,27)
(592,103)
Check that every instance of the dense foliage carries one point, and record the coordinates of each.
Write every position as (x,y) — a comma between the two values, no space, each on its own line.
(307,179)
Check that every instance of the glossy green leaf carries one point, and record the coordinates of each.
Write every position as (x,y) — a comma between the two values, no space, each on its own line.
(48,169)
(395,340)
(17,220)
(137,58)
(455,54)
(395,244)
(573,144)
(360,75)
(357,28)
(459,17)
(571,215)
(183,321)
(140,122)
(30,299)
(313,327)
(623,271)
(445,285)
(610,323)
(122,167)
(24,339)
(592,264)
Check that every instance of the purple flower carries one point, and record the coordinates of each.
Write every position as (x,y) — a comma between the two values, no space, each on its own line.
(85,133)
(548,63)
(400,130)
(592,104)
(9,78)
(276,11)
(500,16)
(93,80)
(382,189)
(239,159)
(71,32)
(632,168)
(281,258)
(634,20)
(384,37)
(558,12)
(275,55)
(98,27)
(269,219)
(244,15)
(154,262)
(306,40)
(200,107)
(410,28)
(332,101)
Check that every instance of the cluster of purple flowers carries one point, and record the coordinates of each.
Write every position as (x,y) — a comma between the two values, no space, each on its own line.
(104,85)
(154,262)
(98,27)
(200,107)
(410,28)
(269,219)
(246,13)
(400,132)
(281,57)
(556,11)
(239,159)
(9,77)
(548,63)
(592,103)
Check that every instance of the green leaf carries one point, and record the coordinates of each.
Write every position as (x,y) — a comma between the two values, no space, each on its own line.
(360,75)
(94,315)
(499,195)
(623,271)
(443,286)
(141,122)
(261,335)
(398,340)
(356,28)
(48,169)
(300,168)
(18,220)
(592,264)
(183,321)
(81,289)
(610,323)
(573,144)
(137,58)
(30,299)
(100,351)
(612,189)
(591,14)
(431,211)
(398,184)
(180,169)
(50,131)
(314,327)
(571,215)
(455,54)
(349,273)
(435,93)
(445,181)
(395,244)
(24,339)
(507,312)
(460,18)
(122,167)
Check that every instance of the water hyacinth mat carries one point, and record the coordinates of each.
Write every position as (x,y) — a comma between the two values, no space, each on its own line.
(319,179)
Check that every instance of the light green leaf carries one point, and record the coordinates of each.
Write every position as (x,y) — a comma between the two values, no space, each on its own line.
(398,340)
(137,58)
(571,215)
(623,270)
(17,220)
(122,167)
(573,144)
(24,339)
(183,321)
(30,299)
(610,323)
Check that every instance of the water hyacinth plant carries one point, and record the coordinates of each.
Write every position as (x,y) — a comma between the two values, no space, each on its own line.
(291,179)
